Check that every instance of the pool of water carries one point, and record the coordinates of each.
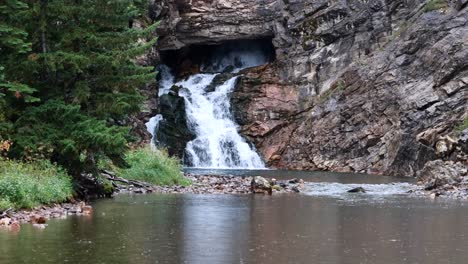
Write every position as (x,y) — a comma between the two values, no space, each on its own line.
(324,224)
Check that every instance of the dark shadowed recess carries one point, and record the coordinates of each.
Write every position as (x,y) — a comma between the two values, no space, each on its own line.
(191,58)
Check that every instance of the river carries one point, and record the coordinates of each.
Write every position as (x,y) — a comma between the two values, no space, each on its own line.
(324,224)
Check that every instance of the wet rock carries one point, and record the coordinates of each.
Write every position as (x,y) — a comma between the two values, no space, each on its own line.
(41,220)
(260,185)
(294,181)
(357,190)
(217,81)
(5,221)
(277,188)
(173,132)
(87,210)
(295,189)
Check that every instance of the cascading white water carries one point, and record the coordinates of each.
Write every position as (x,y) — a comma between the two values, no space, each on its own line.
(152,126)
(166,81)
(217,143)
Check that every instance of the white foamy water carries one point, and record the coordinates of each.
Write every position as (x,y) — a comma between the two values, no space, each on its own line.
(152,126)
(217,143)
(166,81)
(340,190)
(237,60)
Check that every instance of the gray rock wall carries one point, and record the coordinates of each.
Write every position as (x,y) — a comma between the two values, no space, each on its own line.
(355,82)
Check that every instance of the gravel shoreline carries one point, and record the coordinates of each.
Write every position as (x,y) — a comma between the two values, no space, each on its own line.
(214,184)
(201,184)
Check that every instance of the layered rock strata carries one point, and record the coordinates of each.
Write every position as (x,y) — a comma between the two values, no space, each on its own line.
(356,84)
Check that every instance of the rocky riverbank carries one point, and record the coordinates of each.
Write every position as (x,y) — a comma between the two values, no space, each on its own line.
(38,216)
(212,184)
(441,179)
(201,184)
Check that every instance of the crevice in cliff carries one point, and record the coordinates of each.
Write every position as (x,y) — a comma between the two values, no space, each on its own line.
(201,58)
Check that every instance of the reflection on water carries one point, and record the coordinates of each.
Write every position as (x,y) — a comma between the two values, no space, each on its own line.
(305,228)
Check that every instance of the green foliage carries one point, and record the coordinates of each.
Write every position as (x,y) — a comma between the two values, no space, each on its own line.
(5,204)
(153,166)
(462,126)
(68,75)
(13,49)
(433,5)
(26,185)
(85,54)
(66,135)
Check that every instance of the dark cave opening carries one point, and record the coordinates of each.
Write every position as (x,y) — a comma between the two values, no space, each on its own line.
(203,58)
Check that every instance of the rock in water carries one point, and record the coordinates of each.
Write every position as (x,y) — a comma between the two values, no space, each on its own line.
(357,190)
(260,185)
(5,221)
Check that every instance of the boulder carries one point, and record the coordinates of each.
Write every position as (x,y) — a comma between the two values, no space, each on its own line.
(173,132)
(260,185)
(438,173)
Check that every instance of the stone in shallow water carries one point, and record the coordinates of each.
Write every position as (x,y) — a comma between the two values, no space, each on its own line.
(357,190)
(260,185)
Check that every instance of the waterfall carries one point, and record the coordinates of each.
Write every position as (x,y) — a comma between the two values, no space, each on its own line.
(152,127)
(167,80)
(217,143)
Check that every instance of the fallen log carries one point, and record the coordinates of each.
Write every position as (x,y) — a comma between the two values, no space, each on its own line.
(5,213)
(139,184)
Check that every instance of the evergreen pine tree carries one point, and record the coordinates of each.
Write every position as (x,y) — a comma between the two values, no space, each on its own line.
(85,51)
(82,64)
(13,49)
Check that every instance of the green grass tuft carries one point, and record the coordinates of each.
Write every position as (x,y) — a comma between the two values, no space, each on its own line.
(462,126)
(26,185)
(433,5)
(153,166)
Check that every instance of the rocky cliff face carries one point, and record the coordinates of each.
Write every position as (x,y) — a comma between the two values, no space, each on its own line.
(365,86)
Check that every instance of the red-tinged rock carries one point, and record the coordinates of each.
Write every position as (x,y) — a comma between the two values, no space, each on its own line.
(41,220)
(15,227)
(87,210)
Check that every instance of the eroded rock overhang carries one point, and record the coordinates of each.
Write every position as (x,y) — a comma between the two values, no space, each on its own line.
(208,22)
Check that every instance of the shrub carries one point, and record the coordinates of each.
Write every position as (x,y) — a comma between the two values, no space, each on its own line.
(26,185)
(153,166)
